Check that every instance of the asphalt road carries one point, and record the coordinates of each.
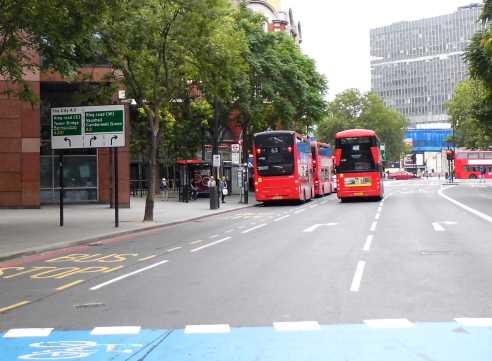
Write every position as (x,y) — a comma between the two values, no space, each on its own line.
(408,278)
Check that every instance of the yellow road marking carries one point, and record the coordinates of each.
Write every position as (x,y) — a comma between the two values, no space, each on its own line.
(11,307)
(65,286)
(147,258)
(113,269)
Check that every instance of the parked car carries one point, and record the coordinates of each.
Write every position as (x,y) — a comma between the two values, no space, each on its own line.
(402,175)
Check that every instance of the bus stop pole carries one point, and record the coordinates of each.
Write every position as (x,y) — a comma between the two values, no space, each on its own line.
(116,195)
(60,166)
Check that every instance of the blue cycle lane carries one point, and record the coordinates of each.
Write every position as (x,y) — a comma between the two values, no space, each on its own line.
(355,342)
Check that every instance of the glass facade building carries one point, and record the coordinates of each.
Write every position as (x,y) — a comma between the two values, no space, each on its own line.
(415,65)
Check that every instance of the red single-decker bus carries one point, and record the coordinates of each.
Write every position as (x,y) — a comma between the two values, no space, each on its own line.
(468,164)
(358,164)
(322,168)
(282,166)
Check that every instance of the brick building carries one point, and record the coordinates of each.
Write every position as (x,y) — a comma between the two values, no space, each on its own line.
(28,165)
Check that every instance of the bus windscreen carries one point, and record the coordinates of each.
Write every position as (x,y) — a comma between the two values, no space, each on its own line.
(275,154)
(356,154)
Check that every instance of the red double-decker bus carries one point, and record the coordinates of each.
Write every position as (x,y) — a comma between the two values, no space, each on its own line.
(469,163)
(322,168)
(358,164)
(282,166)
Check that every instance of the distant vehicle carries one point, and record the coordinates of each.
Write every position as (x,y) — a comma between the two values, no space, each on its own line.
(334,182)
(467,163)
(402,175)
(358,164)
(322,168)
(282,166)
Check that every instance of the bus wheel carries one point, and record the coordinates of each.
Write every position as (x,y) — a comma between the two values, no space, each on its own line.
(472,176)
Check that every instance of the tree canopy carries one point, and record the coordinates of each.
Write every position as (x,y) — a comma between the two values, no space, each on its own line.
(465,111)
(351,109)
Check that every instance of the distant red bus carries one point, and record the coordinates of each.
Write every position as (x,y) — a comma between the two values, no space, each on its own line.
(358,164)
(282,166)
(322,168)
(467,163)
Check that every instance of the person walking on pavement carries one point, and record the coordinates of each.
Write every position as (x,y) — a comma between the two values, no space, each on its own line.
(165,189)
(223,188)
(482,174)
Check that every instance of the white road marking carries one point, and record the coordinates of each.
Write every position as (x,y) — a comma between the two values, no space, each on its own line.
(359,271)
(229,231)
(314,205)
(367,244)
(253,228)
(315,226)
(300,210)
(280,218)
(116,330)
(174,249)
(377,216)
(214,236)
(373,226)
(224,328)
(28,332)
(197,241)
(296,326)
(210,244)
(389,323)
(437,227)
(474,322)
(127,275)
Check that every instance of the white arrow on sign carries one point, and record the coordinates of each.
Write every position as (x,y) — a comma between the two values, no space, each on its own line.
(438,225)
(316,226)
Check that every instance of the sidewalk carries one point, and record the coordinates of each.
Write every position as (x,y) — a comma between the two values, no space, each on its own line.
(28,231)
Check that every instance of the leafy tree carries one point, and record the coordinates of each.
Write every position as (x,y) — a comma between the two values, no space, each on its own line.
(351,109)
(58,31)
(465,111)
(156,47)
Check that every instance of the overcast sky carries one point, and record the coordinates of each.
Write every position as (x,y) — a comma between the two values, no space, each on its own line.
(336,33)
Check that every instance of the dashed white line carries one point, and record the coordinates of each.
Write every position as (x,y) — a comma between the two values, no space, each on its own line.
(373,226)
(315,226)
(215,236)
(474,322)
(173,249)
(300,210)
(437,227)
(389,323)
(223,328)
(280,218)
(359,271)
(28,332)
(314,205)
(197,241)
(210,244)
(296,326)
(116,330)
(367,244)
(253,228)
(127,275)
(229,231)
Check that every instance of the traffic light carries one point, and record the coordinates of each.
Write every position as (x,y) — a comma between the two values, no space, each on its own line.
(450,154)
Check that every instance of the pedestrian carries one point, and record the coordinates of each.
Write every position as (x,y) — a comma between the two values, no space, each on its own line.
(194,190)
(223,189)
(164,189)
(482,174)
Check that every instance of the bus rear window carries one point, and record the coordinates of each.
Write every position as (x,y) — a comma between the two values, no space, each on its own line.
(275,155)
(356,154)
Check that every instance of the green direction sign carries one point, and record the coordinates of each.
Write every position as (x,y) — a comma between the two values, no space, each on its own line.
(110,121)
(67,124)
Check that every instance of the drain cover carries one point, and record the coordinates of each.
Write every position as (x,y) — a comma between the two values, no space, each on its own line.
(89,305)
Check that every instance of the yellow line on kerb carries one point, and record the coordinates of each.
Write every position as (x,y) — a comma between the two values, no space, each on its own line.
(11,307)
(69,285)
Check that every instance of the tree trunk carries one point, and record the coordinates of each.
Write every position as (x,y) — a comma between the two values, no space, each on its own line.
(149,201)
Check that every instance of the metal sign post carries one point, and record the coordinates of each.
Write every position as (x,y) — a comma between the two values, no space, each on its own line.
(116,195)
(62,190)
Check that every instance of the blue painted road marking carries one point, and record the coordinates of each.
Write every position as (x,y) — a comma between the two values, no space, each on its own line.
(426,341)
